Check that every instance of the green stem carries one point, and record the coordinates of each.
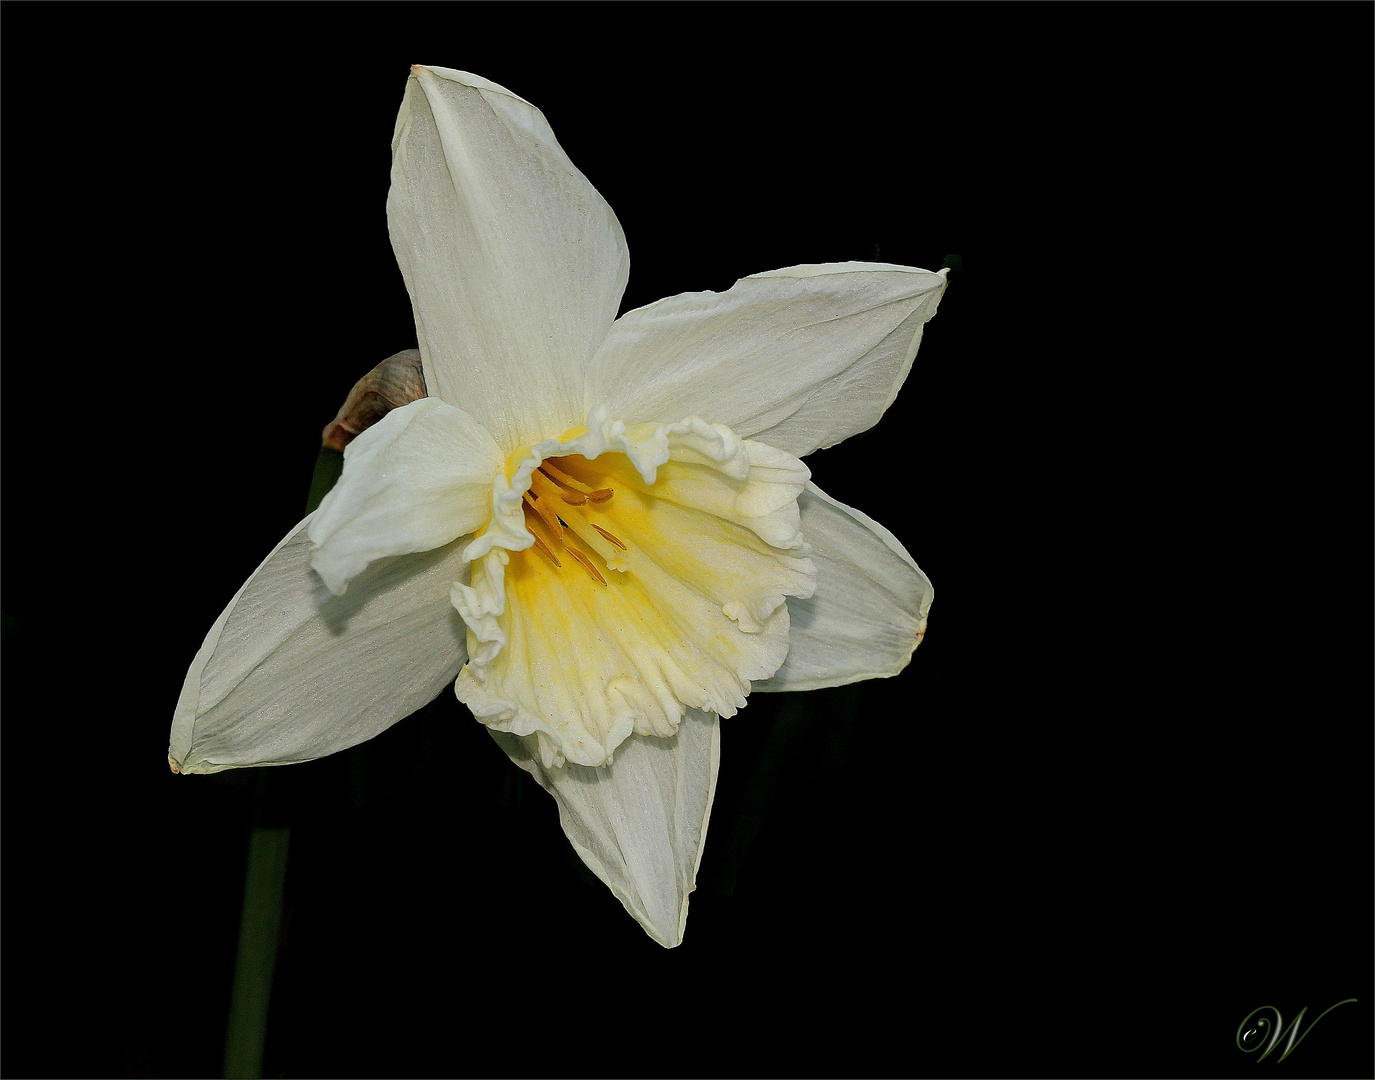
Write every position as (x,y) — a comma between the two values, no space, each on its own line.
(264,886)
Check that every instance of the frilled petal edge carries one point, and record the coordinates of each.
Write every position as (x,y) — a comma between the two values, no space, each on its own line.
(868,612)
(639,823)
(699,546)
(799,358)
(417,479)
(290,672)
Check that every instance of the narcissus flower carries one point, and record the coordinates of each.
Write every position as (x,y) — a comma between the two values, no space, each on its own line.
(598,530)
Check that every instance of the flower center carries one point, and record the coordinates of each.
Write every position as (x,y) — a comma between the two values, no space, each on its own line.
(560,511)
(688,542)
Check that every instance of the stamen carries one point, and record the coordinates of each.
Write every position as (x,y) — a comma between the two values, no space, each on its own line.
(587,564)
(546,488)
(562,478)
(549,517)
(547,482)
(541,541)
(545,548)
(608,535)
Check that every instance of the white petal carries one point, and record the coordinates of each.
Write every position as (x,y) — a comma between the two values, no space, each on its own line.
(417,479)
(289,672)
(868,612)
(639,823)
(799,358)
(515,264)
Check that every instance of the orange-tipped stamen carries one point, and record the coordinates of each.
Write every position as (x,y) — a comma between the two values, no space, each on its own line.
(587,564)
(608,535)
(547,515)
(547,488)
(545,548)
(543,542)
(564,480)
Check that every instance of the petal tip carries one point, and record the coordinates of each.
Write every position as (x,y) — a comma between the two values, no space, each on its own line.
(670,936)
(172,764)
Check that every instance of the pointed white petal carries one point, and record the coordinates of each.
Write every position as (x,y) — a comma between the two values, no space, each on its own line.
(868,612)
(639,823)
(418,478)
(798,358)
(515,264)
(289,672)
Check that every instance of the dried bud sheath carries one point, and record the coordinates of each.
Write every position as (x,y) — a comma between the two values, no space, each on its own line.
(396,381)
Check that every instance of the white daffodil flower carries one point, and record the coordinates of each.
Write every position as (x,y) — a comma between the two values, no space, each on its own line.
(598,530)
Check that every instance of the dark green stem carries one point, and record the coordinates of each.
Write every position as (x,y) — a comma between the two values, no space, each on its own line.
(264,887)
(264,884)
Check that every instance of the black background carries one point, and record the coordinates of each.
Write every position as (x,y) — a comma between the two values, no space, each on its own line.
(1119,799)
